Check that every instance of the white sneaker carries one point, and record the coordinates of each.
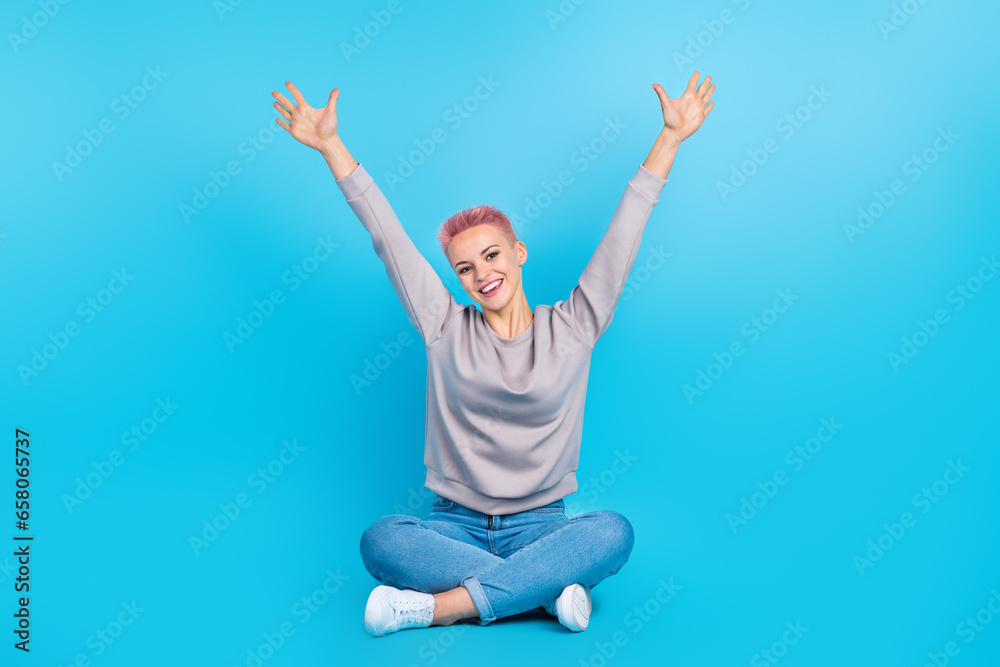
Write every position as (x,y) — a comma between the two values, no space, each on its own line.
(572,607)
(390,609)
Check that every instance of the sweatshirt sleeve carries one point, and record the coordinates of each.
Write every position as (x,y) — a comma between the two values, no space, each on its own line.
(428,304)
(591,303)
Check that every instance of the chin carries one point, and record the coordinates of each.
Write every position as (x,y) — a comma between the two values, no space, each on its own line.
(491,306)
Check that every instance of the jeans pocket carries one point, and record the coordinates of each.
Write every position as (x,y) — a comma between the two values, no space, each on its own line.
(557,507)
(442,504)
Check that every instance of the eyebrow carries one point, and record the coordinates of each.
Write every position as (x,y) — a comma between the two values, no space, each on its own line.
(495,245)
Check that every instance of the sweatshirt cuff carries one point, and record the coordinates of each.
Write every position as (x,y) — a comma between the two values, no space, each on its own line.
(648,183)
(354,183)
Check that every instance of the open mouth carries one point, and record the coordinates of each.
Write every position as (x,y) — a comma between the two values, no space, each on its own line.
(492,288)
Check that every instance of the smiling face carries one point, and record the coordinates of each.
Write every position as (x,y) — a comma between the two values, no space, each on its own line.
(481,255)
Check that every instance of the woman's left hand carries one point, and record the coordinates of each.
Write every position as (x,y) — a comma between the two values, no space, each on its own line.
(685,114)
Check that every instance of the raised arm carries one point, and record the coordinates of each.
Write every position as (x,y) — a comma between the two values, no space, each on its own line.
(427,302)
(590,306)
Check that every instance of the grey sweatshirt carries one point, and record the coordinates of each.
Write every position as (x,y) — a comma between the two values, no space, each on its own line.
(504,416)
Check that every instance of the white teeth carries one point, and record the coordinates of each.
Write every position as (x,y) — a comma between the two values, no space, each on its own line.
(490,286)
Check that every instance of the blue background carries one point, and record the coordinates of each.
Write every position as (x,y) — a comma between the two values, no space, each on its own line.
(783,228)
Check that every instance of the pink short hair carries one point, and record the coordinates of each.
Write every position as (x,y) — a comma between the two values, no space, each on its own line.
(471,217)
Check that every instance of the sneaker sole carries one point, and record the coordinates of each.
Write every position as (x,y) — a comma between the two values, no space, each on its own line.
(574,607)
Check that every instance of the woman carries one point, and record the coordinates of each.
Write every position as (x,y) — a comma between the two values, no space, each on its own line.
(506,389)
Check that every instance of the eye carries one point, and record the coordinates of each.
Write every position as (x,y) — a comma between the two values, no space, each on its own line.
(489,256)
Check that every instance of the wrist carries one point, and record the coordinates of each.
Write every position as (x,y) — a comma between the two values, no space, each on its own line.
(669,138)
(330,146)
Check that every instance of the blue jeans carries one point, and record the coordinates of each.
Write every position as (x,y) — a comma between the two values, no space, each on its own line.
(509,563)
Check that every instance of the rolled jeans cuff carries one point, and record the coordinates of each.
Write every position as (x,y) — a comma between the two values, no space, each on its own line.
(483,606)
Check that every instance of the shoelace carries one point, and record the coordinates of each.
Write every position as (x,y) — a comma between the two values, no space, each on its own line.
(410,612)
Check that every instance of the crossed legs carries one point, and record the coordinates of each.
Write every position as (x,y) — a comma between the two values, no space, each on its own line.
(456,563)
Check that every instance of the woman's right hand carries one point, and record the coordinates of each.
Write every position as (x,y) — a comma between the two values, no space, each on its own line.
(312,127)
